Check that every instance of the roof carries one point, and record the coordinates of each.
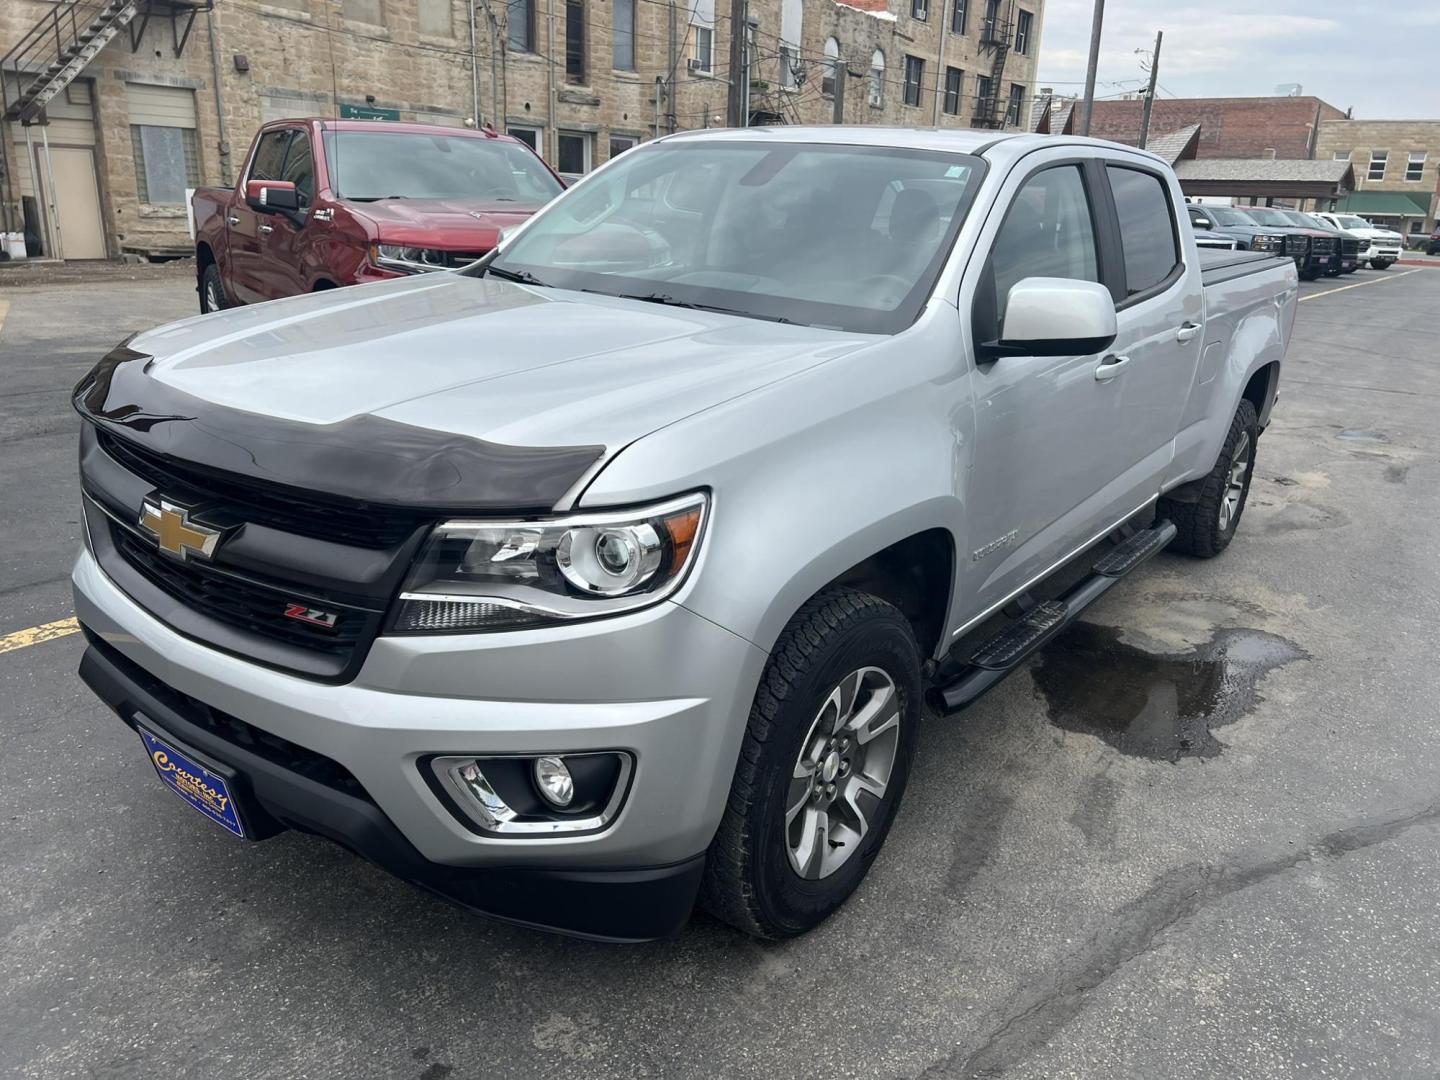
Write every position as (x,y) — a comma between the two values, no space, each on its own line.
(1173,145)
(1268,170)
(1049,113)
(878,8)
(1394,203)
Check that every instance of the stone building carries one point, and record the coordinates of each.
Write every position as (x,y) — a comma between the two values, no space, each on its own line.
(1397,170)
(161,95)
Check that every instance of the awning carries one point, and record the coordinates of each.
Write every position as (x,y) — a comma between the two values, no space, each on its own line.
(1387,203)
(1266,178)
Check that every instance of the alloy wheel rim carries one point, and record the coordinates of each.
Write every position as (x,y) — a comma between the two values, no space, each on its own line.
(1235,482)
(211,300)
(842,773)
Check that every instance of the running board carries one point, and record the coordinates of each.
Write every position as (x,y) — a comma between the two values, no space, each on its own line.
(992,660)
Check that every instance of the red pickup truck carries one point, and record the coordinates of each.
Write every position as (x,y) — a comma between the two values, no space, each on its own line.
(325,203)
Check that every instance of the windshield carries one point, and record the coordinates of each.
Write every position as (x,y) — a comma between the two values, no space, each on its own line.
(1266,216)
(849,237)
(371,165)
(1223,215)
(1350,221)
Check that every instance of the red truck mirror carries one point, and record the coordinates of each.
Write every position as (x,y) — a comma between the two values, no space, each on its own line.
(269,196)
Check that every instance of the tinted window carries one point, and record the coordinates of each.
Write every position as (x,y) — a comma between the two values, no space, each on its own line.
(300,168)
(370,165)
(1048,232)
(269,156)
(1147,231)
(1229,217)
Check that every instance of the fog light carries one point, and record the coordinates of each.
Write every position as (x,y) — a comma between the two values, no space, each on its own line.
(554,781)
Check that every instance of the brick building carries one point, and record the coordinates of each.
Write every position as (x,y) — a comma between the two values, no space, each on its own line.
(169,93)
(1397,169)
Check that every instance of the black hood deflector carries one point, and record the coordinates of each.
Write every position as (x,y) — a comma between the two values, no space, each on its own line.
(365,458)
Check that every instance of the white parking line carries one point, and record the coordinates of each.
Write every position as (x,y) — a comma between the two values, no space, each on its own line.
(4,310)
(1362,284)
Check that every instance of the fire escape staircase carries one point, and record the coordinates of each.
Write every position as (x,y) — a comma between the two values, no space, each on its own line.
(995,34)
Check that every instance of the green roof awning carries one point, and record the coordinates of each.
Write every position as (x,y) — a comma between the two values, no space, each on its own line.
(1394,203)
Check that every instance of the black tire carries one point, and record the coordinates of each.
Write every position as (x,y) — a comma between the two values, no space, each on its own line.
(1379,264)
(1201,532)
(1309,275)
(749,879)
(212,291)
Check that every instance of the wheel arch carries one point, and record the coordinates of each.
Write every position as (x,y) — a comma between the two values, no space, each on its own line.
(1260,390)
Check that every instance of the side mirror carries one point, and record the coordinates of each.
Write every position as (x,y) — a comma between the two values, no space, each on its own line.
(1201,222)
(271,196)
(1057,317)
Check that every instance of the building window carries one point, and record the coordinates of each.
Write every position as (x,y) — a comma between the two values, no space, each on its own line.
(574,152)
(954,90)
(702,18)
(620,143)
(958,13)
(520,24)
(1024,21)
(982,94)
(435,18)
(366,11)
(1342,155)
(877,80)
(914,76)
(1415,166)
(530,136)
(1017,101)
(622,47)
(990,27)
(1377,164)
(575,41)
(1417,225)
(792,15)
(920,9)
(831,68)
(163,140)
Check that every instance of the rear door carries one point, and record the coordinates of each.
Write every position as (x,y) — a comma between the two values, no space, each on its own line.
(1160,319)
(1048,432)
(249,228)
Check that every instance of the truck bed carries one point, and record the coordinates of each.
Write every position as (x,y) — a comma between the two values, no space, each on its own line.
(1218,265)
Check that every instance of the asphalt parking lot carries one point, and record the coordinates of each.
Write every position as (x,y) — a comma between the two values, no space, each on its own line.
(1197,837)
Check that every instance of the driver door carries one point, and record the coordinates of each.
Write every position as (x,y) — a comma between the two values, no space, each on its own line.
(281,266)
(249,228)
(1048,458)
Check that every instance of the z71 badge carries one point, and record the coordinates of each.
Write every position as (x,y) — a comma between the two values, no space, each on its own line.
(313,616)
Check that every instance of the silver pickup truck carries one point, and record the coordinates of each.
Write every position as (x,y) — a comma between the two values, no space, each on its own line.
(617,569)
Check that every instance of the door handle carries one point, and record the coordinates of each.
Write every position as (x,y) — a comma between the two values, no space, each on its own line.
(267,229)
(232,220)
(1187,331)
(1110,367)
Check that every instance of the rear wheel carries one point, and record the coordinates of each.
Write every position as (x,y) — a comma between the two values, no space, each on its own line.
(822,769)
(1207,525)
(212,291)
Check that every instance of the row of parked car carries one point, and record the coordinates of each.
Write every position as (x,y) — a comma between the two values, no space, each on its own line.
(1320,242)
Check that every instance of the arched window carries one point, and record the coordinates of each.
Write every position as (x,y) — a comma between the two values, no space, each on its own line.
(877,79)
(832,67)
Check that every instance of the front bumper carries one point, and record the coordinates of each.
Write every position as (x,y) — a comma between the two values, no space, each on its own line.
(665,685)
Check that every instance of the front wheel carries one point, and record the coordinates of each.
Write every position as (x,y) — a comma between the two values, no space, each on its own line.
(212,291)
(1380,264)
(1207,525)
(822,768)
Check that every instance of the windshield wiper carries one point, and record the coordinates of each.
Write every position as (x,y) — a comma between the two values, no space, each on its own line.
(672,301)
(524,277)
(374,198)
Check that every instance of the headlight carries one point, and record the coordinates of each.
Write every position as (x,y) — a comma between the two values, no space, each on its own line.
(409,259)
(1261,242)
(509,575)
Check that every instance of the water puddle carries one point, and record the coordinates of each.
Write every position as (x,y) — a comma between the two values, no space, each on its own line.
(1152,705)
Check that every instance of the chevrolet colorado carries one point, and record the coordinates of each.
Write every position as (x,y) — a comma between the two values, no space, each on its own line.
(614,570)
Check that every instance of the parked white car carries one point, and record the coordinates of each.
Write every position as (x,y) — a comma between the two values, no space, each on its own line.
(1383,245)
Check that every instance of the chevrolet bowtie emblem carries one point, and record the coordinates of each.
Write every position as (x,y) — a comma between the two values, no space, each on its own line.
(175,534)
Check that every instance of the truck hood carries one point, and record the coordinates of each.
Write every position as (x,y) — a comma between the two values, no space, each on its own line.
(449,224)
(478,358)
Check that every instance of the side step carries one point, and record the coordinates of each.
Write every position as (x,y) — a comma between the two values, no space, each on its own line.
(1003,653)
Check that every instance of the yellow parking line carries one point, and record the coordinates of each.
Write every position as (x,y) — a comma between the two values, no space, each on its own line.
(1362,284)
(21,639)
(4,310)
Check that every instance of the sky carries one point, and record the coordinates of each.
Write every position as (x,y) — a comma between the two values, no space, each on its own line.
(1375,56)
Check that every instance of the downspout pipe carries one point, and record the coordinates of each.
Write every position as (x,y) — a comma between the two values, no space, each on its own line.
(223,143)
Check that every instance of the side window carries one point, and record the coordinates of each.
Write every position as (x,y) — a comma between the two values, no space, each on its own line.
(1147,230)
(1048,232)
(300,169)
(269,156)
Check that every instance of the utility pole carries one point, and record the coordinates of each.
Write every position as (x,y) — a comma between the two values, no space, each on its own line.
(842,76)
(739,77)
(1150,94)
(1090,68)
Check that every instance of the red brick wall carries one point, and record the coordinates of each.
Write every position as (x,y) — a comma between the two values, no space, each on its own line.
(1229,127)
